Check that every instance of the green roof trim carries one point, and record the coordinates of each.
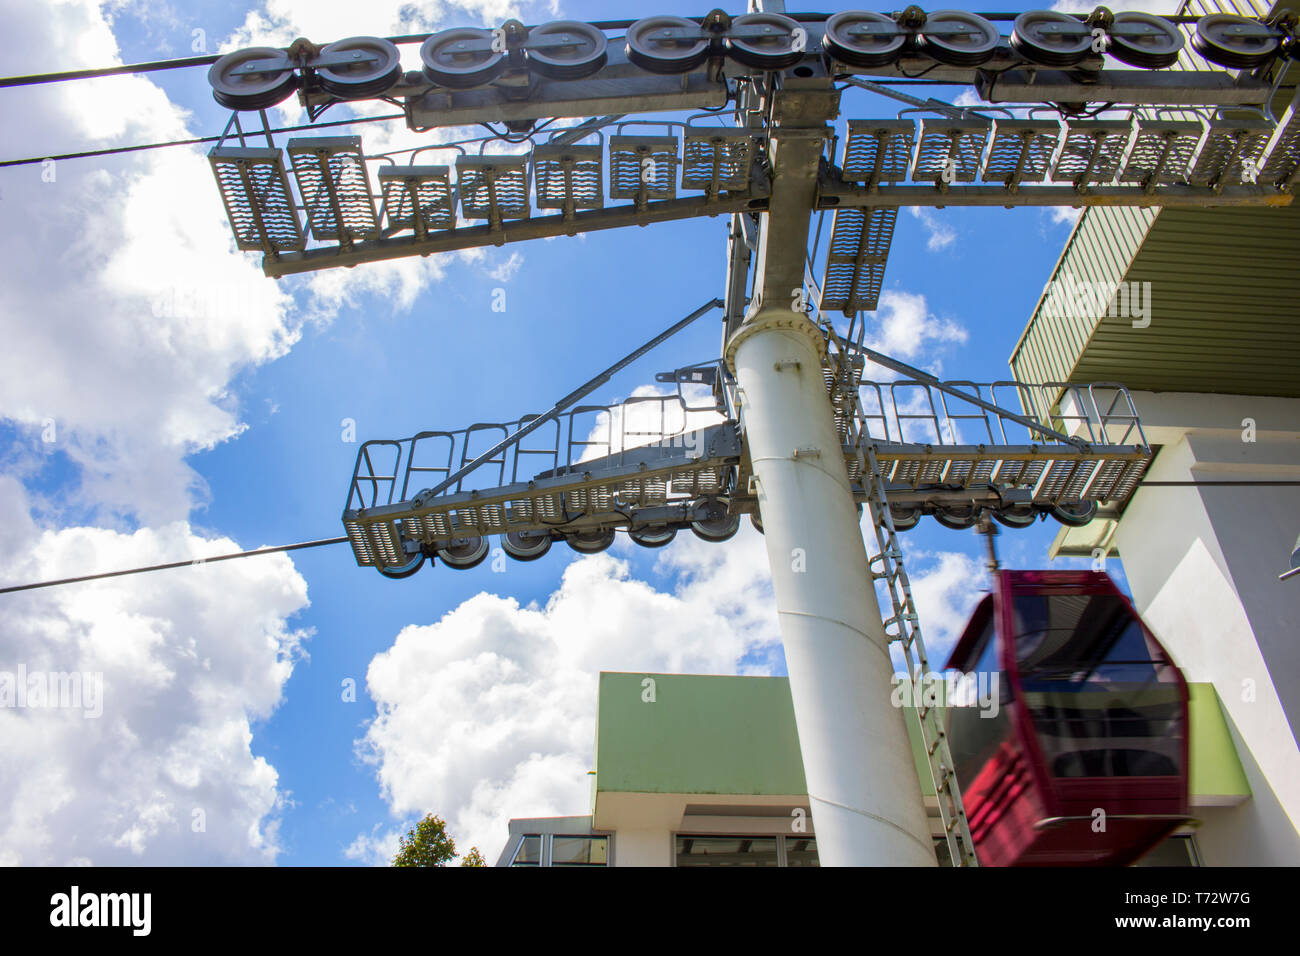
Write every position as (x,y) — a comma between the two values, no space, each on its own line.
(736,735)
(700,735)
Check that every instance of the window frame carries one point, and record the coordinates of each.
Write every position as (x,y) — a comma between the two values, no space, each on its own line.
(545,857)
(782,857)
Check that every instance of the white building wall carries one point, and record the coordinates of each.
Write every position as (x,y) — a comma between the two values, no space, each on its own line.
(643,847)
(1203,563)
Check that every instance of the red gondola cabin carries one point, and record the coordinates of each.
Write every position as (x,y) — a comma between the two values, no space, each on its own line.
(1092,716)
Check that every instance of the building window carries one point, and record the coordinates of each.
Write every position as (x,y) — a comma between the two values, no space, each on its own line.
(801,851)
(529,852)
(745,851)
(546,849)
(579,851)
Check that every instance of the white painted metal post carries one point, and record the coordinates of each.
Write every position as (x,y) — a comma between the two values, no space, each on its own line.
(862,781)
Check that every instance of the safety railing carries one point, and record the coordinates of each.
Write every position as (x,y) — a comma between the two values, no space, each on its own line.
(388,471)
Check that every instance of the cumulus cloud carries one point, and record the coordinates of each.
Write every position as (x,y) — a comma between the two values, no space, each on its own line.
(1063,215)
(906,329)
(376,848)
(946,586)
(185,668)
(126,311)
(939,234)
(489,713)
(279,22)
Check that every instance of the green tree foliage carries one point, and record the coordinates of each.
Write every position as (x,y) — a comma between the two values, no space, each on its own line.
(429,844)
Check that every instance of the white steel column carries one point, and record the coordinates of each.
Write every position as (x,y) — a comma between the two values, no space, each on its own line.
(862,782)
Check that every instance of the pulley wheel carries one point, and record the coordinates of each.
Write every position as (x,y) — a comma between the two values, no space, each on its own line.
(958,517)
(1051,38)
(767,41)
(378,66)
(905,517)
(666,45)
(462,58)
(1139,39)
(236,89)
(1075,515)
(863,38)
(406,570)
(653,537)
(573,50)
(463,553)
(716,530)
(714,524)
(1016,516)
(526,545)
(1239,43)
(590,542)
(959,38)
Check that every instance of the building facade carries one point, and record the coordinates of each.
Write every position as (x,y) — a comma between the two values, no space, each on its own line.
(705,771)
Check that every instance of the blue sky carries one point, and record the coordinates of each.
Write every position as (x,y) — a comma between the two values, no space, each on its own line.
(277,470)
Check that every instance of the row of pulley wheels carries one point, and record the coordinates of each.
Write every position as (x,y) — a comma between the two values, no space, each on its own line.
(962,516)
(1046,37)
(715,525)
(712,524)
(362,67)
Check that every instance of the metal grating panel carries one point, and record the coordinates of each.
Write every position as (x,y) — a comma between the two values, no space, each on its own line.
(568,177)
(855,262)
(1092,151)
(335,189)
(1282,167)
(643,167)
(950,150)
(418,197)
(255,191)
(1021,152)
(715,160)
(878,151)
(493,187)
(1230,147)
(1161,152)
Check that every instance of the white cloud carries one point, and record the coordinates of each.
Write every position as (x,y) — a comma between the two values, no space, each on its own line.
(189,663)
(489,713)
(906,329)
(946,586)
(279,22)
(941,235)
(1063,215)
(126,311)
(506,270)
(650,414)
(376,848)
